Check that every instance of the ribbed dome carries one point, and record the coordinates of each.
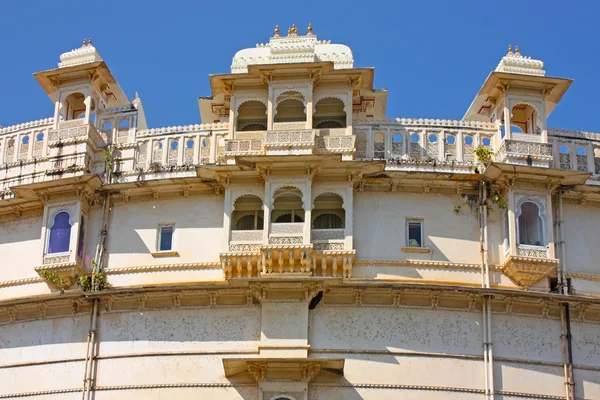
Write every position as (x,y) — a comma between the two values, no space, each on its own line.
(293,49)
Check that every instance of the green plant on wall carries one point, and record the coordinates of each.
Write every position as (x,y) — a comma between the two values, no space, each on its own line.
(85,281)
(53,278)
(484,154)
(107,156)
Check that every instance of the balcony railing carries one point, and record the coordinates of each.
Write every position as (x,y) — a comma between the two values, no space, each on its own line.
(76,131)
(246,241)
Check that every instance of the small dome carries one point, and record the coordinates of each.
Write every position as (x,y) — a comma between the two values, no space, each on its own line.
(293,49)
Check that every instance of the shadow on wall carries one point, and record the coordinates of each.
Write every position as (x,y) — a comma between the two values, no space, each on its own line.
(129,220)
(20,231)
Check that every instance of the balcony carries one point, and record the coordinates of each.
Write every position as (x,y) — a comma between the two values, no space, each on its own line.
(290,142)
(530,265)
(75,131)
(525,149)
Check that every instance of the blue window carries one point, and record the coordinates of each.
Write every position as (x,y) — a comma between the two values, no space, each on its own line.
(60,233)
(165,239)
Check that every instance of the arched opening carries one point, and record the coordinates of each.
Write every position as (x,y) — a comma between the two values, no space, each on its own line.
(287,205)
(252,116)
(73,106)
(328,212)
(531,230)
(525,117)
(10,150)
(290,107)
(379,146)
(60,233)
(247,213)
(107,126)
(329,113)
(397,148)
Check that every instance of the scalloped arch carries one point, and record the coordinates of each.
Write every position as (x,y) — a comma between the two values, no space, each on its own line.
(282,396)
(329,96)
(328,192)
(264,102)
(234,199)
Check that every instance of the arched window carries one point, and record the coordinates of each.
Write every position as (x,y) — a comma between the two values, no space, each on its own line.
(124,123)
(486,142)
(288,218)
(531,229)
(450,139)
(397,149)
(252,116)
(40,137)
(107,126)
(379,146)
(468,140)
(250,222)
(60,233)
(25,140)
(329,113)
(328,221)
(290,107)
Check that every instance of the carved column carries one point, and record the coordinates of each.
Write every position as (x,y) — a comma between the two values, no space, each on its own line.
(348,210)
(543,123)
(232,116)
(227,219)
(506,109)
(88,107)
(307,211)
(550,225)
(309,107)
(348,109)
(270,106)
(267,206)
(512,224)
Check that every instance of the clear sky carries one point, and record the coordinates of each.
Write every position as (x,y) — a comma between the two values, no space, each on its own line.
(432,56)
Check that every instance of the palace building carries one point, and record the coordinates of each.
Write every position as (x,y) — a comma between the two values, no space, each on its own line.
(299,243)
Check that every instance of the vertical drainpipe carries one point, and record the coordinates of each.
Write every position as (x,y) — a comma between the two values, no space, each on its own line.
(488,360)
(88,381)
(565,315)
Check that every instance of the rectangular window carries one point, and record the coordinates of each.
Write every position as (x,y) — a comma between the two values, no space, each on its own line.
(165,238)
(415,233)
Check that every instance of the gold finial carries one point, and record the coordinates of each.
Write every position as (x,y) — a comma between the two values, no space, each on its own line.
(90,42)
(310,29)
(517,49)
(289,31)
(294,30)
(84,43)
(276,30)
(510,48)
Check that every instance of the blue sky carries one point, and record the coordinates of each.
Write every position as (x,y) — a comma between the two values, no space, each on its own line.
(432,56)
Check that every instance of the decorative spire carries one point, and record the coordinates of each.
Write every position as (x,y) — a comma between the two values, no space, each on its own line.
(517,49)
(276,30)
(90,42)
(289,31)
(294,30)
(310,28)
(84,43)
(510,48)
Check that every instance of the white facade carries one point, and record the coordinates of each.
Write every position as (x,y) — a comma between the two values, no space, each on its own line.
(298,244)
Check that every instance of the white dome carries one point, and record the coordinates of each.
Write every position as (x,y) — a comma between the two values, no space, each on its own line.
(293,49)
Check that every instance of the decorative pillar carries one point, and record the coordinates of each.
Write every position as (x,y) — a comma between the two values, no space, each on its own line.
(232,116)
(227,220)
(512,224)
(349,211)
(543,122)
(212,155)
(307,210)
(165,151)
(348,110)
(309,107)
(370,144)
(196,157)
(181,149)
(267,207)
(589,153)
(57,109)
(270,106)
(460,142)
(88,108)
(507,134)
(442,146)
(550,226)
(387,141)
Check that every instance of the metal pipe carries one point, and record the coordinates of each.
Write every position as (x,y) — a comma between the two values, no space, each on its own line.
(90,356)
(571,374)
(490,356)
(563,252)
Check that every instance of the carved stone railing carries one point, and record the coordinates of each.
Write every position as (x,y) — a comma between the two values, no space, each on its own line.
(327,234)
(335,144)
(246,241)
(285,126)
(291,228)
(235,147)
(532,252)
(71,123)
(333,131)
(524,137)
(513,150)
(75,134)
(290,138)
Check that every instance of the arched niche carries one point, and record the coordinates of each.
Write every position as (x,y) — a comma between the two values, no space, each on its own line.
(73,106)
(290,107)
(252,116)
(329,113)
(525,116)
(531,223)
(247,213)
(328,212)
(288,205)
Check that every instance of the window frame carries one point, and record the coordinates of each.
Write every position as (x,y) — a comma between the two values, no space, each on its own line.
(159,233)
(541,214)
(419,221)
(50,225)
